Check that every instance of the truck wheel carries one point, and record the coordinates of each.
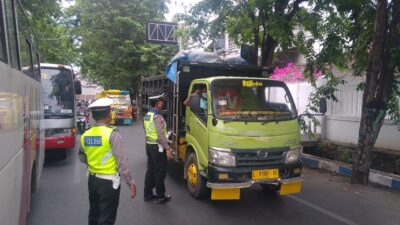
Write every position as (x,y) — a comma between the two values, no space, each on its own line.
(195,182)
(270,188)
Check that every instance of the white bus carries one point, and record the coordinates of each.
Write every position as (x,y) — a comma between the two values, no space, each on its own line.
(58,93)
(21,137)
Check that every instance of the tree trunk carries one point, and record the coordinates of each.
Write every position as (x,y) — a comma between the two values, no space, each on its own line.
(256,34)
(268,50)
(379,80)
(269,44)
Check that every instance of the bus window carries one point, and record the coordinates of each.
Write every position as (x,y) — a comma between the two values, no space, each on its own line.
(25,55)
(58,95)
(3,48)
(12,33)
(36,68)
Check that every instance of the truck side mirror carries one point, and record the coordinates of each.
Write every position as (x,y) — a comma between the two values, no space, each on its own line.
(322,105)
(195,103)
(78,87)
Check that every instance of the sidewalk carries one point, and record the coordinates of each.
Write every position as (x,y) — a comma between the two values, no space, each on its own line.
(375,177)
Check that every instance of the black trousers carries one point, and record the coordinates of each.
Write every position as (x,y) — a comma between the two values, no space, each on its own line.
(103,200)
(156,171)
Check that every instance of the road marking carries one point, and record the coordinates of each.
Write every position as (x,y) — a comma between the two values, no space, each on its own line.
(322,210)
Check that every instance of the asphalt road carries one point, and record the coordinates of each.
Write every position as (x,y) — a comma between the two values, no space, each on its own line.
(62,198)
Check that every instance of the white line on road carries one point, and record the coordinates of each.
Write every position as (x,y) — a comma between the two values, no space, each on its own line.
(322,210)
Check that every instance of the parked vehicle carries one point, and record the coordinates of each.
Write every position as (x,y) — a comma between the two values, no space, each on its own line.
(81,123)
(121,109)
(246,132)
(82,117)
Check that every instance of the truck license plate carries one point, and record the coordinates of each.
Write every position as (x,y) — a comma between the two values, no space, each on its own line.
(60,141)
(265,174)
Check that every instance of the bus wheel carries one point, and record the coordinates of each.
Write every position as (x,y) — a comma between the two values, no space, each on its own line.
(195,182)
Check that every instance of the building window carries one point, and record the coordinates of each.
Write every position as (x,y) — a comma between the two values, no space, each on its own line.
(12,33)
(3,47)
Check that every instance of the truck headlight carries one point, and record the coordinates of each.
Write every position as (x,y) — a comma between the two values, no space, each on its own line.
(221,157)
(293,155)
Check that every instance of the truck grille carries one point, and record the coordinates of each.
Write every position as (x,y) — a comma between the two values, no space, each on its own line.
(259,157)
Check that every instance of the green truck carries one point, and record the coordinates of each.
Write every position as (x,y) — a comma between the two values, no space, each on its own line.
(237,129)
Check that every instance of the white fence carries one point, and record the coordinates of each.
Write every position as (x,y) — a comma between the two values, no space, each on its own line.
(342,121)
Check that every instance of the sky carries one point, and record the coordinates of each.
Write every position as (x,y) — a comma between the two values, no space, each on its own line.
(67,3)
(179,6)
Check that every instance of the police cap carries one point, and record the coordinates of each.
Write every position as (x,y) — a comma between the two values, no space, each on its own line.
(101,104)
(157,97)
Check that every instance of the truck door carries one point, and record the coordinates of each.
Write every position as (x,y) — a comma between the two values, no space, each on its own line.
(197,121)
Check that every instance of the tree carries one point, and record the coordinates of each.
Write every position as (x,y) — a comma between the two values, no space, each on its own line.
(54,41)
(380,88)
(112,46)
(265,24)
(362,36)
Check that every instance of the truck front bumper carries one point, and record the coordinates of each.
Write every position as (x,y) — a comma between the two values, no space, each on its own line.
(123,121)
(59,142)
(226,182)
(216,174)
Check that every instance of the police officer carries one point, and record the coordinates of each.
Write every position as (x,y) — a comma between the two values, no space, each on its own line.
(101,149)
(157,150)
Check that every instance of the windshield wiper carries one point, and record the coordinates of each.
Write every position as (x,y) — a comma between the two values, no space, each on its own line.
(235,120)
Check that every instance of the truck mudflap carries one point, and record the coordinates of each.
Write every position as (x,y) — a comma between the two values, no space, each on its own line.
(291,185)
(231,191)
(227,191)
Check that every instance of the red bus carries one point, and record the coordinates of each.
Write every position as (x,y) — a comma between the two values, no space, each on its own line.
(58,93)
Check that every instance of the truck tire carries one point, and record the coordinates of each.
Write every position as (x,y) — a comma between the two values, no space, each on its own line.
(197,184)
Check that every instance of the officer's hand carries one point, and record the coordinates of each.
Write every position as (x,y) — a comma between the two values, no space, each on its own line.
(133,191)
(169,154)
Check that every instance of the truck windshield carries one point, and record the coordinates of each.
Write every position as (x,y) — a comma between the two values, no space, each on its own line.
(58,93)
(252,100)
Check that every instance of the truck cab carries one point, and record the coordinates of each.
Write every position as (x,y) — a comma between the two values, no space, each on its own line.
(241,131)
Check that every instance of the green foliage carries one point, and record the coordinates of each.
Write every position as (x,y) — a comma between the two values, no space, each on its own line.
(53,38)
(344,32)
(252,22)
(112,46)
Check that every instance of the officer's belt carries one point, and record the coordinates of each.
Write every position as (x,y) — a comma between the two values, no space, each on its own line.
(103,176)
(149,141)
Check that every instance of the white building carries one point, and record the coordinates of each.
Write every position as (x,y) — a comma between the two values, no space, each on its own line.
(341,123)
(89,89)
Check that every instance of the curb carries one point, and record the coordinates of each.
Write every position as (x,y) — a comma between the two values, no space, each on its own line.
(376,177)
